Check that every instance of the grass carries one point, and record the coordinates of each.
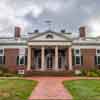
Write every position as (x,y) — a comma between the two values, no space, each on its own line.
(84,89)
(16,89)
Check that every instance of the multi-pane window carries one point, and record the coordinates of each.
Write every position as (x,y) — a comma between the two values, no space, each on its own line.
(21,58)
(98,56)
(2,56)
(77,55)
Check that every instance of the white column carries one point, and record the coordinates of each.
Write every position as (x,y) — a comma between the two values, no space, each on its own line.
(70,58)
(56,58)
(29,59)
(42,58)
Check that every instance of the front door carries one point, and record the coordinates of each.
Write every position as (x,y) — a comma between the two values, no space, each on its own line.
(49,61)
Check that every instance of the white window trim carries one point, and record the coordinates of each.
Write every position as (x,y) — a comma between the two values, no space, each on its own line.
(80,60)
(97,55)
(97,59)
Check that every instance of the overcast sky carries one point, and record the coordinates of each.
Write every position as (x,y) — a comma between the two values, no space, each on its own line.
(64,14)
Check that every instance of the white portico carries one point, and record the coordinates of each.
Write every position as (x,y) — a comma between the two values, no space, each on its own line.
(49,51)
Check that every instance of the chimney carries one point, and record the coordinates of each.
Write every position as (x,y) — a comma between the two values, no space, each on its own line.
(82,31)
(17,32)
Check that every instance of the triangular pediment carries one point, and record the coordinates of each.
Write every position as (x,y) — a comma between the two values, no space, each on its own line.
(49,36)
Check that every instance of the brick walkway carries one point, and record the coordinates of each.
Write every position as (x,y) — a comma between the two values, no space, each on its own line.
(51,88)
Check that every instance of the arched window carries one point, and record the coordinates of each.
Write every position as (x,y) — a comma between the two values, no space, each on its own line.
(49,36)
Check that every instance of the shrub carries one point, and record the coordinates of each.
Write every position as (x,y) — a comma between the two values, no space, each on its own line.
(4,68)
(8,75)
(77,73)
(83,71)
(92,74)
(98,71)
(1,73)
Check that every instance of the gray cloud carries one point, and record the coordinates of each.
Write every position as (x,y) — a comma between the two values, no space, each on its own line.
(31,14)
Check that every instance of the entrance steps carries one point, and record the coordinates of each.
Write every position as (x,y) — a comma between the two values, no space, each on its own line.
(49,73)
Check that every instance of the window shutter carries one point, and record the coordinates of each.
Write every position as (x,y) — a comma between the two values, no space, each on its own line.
(73,60)
(17,60)
(25,60)
(95,59)
(81,60)
(3,59)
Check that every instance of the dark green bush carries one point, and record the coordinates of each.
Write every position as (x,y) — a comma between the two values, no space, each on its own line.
(8,75)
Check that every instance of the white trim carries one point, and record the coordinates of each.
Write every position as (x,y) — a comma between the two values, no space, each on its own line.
(49,43)
(12,46)
(85,47)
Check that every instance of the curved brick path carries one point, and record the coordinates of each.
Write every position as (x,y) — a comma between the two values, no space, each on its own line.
(51,88)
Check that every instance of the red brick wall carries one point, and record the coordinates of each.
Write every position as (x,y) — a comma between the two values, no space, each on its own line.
(10,58)
(88,57)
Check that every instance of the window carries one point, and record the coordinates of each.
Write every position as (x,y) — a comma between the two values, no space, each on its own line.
(98,51)
(1,52)
(77,55)
(98,60)
(98,56)
(77,51)
(77,60)
(2,58)
(21,59)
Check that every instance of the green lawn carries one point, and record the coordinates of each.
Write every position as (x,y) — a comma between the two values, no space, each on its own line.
(16,89)
(84,89)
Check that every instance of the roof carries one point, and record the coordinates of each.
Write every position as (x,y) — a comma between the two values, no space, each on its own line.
(75,40)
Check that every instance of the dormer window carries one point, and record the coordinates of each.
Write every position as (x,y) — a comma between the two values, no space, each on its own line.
(49,36)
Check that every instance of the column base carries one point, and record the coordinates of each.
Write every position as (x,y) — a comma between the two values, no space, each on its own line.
(70,68)
(56,69)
